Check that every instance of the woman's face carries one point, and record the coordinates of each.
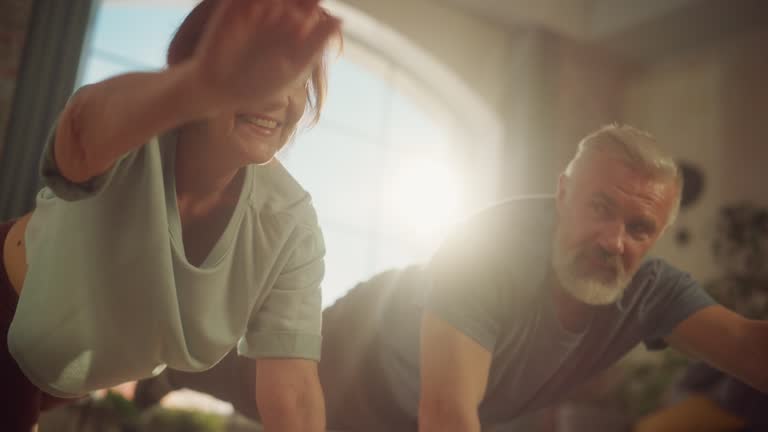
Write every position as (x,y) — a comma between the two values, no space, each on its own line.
(257,131)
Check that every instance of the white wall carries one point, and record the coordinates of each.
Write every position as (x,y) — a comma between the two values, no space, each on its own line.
(471,48)
(710,107)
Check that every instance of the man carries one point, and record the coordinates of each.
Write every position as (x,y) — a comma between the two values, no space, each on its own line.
(526,300)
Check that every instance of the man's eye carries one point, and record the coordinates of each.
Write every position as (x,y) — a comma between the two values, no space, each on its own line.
(638,230)
(599,208)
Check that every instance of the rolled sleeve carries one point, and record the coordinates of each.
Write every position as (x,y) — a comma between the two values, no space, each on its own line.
(288,323)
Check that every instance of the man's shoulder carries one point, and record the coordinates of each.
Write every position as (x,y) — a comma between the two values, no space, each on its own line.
(514,218)
(651,271)
(502,232)
(505,244)
(517,209)
(657,278)
(655,269)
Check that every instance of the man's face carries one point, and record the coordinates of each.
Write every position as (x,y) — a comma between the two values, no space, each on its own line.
(609,216)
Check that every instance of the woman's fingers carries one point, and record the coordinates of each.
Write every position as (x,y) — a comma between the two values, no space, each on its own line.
(227,12)
(229,24)
(310,47)
(274,11)
(277,40)
(299,33)
(307,25)
(307,5)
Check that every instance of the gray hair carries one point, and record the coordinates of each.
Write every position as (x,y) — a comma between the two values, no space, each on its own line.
(638,149)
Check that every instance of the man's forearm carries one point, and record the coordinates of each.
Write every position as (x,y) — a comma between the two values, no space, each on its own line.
(444,419)
(758,337)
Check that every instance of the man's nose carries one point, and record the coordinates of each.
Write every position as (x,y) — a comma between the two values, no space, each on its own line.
(612,238)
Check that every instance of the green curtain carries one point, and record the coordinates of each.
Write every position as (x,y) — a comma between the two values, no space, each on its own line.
(55,40)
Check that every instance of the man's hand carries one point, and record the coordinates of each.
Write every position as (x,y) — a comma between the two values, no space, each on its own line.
(252,49)
(454,373)
(289,396)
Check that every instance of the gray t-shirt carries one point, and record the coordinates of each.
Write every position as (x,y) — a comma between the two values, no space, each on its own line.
(488,280)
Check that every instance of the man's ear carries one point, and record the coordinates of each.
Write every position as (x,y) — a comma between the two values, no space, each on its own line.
(562,185)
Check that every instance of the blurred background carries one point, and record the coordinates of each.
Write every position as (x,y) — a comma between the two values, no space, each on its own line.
(437,108)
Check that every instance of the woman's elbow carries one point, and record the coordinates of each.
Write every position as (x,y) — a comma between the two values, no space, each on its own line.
(77,158)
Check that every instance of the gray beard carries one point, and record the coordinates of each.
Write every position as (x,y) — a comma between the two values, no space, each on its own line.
(589,290)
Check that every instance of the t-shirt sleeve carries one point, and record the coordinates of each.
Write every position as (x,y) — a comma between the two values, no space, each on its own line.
(462,286)
(288,323)
(63,187)
(675,296)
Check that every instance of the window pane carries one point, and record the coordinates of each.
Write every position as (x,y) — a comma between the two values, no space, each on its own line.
(340,171)
(99,69)
(139,32)
(357,99)
(347,261)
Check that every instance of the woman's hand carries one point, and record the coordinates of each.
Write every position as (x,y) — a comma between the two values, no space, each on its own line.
(252,49)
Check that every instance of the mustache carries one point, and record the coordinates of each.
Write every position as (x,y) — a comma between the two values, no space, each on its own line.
(597,254)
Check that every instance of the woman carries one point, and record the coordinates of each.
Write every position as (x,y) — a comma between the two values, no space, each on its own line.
(167,234)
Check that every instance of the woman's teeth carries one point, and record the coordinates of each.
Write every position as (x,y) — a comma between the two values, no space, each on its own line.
(259,121)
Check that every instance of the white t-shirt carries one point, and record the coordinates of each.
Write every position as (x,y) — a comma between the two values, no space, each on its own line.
(110,297)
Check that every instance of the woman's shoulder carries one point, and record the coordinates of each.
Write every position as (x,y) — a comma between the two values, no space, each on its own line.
(275,190)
